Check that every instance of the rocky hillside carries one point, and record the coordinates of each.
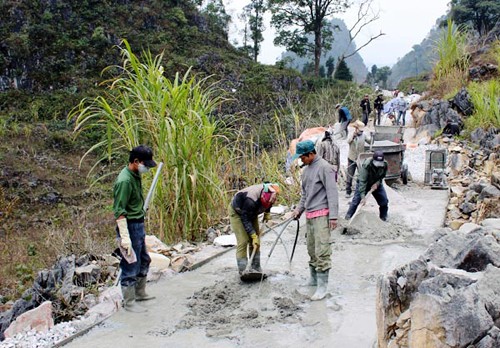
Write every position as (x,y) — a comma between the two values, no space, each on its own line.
(419,60)
(340,46)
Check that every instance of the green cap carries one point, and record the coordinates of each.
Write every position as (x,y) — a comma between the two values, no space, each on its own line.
(302,148)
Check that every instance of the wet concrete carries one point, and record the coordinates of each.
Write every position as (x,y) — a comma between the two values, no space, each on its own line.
(210,307)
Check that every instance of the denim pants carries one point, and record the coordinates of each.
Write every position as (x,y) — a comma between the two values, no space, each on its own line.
(401,114)
(318,243)
(380,196)
(365,117)
(130,271)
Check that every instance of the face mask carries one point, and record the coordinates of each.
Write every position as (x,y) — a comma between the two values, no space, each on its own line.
(143,169)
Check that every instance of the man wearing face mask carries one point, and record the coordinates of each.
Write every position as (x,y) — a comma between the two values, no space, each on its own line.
(244,210)
(371,175)
(129,213)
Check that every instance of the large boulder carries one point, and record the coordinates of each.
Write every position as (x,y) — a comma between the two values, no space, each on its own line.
(449,297)
(38,319)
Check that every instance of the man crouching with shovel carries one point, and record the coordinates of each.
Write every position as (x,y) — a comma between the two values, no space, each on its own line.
(320,200)
(244,210)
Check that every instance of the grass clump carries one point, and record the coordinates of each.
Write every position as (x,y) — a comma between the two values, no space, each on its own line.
(451,70)
(485,97)
(142,106)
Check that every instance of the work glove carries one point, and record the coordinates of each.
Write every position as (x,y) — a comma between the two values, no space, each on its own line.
(125,241)
(255,241)
(266,217)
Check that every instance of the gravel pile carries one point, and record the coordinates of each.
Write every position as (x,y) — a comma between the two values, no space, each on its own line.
(415,159)
(35,339)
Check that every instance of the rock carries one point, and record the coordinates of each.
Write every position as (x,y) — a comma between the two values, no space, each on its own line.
(39,319)
(495,179)
(489,191)
(453,202)
(211,234)
(456,224)
(445,315)
(456,163)
(155,245)
(182,263)
(158,261)
(110,260)
(471,196)
(279,210)
(226,240)
(87,275)
(467,208)
(493,223)
(468,227)
(457,191)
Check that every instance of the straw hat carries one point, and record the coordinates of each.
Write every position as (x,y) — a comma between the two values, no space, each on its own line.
(359,125)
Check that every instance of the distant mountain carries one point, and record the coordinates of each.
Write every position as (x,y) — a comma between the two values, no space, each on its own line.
(420,59)
(339,46)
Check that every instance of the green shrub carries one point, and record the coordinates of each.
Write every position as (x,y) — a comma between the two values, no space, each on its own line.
(485,97)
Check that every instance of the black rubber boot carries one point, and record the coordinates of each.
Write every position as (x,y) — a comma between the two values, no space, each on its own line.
(256,262)
(129,303)
(140,290)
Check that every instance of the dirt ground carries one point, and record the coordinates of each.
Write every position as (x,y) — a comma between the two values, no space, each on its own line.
(210,307)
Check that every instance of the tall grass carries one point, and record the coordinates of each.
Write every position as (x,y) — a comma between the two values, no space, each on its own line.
(486,98)
(450,72)
(142,106)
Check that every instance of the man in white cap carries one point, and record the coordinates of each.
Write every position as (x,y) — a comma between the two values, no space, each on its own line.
(356,141)
(319,199)
(370,178)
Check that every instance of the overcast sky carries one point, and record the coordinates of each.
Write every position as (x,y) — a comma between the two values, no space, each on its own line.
(405,23)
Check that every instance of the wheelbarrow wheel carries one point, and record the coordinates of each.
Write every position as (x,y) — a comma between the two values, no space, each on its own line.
(404,174)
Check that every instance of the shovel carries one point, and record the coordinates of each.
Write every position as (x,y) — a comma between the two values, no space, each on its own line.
(249,274)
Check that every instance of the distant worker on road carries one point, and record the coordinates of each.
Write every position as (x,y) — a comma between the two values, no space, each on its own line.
(356,141)
(328,149)
(319,199)
(401,106)
(244,210)
(344,118)
(378,105)
(128,207)
(371,176)
(366,108)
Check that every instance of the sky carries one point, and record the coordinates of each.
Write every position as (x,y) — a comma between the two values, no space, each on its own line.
(405,23)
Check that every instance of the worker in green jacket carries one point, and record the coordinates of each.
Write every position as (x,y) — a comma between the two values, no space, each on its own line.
(370,178)
(129,213)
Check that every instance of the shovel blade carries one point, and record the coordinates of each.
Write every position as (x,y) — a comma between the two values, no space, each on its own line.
(252,276)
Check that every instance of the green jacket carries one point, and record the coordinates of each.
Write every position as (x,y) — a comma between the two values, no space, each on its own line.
(127,193)
(369,175)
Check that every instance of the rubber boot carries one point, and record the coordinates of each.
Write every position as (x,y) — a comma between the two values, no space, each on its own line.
(322,285)
(129,303)
(313,280)
(140,290)
(242,264)
(256,264)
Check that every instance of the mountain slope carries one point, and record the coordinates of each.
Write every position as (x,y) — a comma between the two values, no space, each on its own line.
(420,59)
(339,46)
